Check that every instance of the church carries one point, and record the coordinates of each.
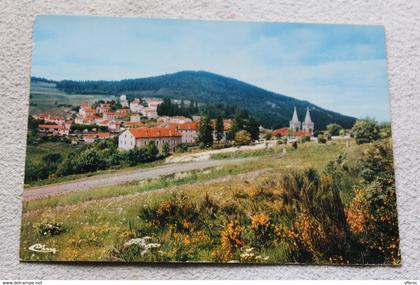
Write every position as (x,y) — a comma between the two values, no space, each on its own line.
(306,126)
(297,128)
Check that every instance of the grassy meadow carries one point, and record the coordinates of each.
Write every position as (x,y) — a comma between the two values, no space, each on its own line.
(56,102)
(254,211)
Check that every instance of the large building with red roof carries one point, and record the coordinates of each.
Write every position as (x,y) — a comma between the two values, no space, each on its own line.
(141,137)
(189,131)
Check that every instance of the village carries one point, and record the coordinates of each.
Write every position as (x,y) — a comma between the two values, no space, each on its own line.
(137,123)
(172,142)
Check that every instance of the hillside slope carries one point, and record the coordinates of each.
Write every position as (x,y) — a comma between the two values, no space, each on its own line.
(272,110)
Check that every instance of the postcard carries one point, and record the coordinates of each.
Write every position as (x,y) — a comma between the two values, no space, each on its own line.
(155,140)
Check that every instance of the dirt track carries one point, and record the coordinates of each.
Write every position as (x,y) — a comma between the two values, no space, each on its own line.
(39,192)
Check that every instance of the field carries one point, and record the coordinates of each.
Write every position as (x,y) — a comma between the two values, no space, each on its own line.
(56,102)
(233,212)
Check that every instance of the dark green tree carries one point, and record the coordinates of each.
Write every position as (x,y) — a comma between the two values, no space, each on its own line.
(205,133)
(252,128)
(151,151)
(165,149)
(219,129)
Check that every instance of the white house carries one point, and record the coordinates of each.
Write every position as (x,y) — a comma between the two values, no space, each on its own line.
(150,113)
(89,138)
(103,107)
(135,118)
(87,112)
(136,106)
(123,100)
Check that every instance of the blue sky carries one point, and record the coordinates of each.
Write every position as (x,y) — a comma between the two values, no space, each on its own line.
(338,67)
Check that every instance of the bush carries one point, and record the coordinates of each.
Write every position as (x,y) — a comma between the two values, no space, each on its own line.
(334,129)
(230,241)
(372,214)
(295,144)
(305,139)
(165,149)
(365,131)
(51,229)
(243,138)
(262,229)
(321,139)
(182,147)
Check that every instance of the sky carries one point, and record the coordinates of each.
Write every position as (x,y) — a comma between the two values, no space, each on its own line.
(337,67)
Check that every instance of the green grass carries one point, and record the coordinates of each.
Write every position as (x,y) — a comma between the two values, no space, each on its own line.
(98,220)
(46,100)
(195,176)
(35,153)
(73,177)
(249,153)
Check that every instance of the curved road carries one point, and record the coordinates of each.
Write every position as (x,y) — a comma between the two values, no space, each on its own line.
(39,192)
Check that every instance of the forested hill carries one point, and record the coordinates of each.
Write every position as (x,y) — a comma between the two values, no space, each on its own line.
(272,110)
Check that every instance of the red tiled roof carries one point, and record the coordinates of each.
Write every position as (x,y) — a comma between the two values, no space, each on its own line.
(41,115)
(154,132)
(134,124)
(89,136)
(90,118)
(302,134)
(185,126)
(56,118)
(281,131)
(103,135)
(43,126)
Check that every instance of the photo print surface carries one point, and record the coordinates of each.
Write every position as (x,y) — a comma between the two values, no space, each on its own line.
(154,140)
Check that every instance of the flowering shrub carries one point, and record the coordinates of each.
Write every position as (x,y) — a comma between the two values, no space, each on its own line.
(262,229)
(230,242)
(51,228)
(298,216)
(143,248)
(249,255)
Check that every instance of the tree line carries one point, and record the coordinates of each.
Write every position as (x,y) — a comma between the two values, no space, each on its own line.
(99,156)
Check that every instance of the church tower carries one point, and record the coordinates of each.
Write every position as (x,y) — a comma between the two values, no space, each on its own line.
(308,125)
(294,124)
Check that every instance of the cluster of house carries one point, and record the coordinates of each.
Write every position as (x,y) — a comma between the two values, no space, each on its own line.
(137,123)
(55,125)
(100,115)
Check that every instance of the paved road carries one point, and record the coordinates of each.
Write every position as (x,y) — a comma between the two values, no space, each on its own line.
(39,192)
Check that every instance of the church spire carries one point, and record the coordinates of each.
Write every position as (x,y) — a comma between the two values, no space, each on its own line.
(308,125)
(294,124)
(308,116)
(295,116)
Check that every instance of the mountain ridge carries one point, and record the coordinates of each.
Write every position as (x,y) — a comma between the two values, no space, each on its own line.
(271,109)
